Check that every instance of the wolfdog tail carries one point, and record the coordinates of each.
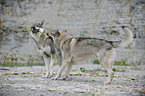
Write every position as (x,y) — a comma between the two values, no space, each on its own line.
(128,37)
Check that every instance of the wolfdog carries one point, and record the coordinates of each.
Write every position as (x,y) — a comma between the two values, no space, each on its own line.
(76,49)
(46,46)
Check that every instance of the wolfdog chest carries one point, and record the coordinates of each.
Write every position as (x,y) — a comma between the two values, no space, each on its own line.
(45,44)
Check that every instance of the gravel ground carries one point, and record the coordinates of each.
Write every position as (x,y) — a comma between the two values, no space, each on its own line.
(28,81)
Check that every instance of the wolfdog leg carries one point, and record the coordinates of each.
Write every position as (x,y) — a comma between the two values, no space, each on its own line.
(110,75)
(46,60)
(51,64)
(109,71)
(63,66)
(68,70)
(59,59)
(106,60)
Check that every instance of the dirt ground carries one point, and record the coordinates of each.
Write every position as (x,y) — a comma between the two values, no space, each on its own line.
(28,81)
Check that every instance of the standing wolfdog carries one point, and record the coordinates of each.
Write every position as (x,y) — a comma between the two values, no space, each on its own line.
(46,46)
(76,49)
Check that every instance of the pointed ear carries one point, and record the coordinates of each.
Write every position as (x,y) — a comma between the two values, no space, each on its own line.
(64,30)
(42,22)
(57,33)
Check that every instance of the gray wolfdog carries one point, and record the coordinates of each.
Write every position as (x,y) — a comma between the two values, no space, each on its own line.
(46,46)
(76,49)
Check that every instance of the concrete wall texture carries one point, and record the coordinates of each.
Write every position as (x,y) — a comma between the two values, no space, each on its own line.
(95,18)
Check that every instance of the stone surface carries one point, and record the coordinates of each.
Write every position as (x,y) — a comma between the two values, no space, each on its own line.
(95,18)
(128,83)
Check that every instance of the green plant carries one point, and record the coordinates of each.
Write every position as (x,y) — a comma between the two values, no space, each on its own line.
(21,65)
(99,69)
(118,70)
(121,63)
(83,69)
(118,63)
(96,61)
(92,71)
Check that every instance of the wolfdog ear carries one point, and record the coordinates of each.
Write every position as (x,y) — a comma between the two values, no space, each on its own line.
(42,22)
(57,33)
(65,30)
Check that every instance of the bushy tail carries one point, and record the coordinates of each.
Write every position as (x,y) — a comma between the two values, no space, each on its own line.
(128,37)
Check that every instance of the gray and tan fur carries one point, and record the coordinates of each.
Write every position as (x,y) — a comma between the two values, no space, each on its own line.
(46,46)
(76,49)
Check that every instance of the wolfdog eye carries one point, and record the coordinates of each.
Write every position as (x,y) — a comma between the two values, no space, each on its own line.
(33,28)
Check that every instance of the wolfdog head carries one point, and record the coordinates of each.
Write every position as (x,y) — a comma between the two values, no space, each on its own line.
(58,33)
(59,36)
(37,28)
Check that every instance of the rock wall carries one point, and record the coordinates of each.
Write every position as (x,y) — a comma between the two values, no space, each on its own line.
(95,18)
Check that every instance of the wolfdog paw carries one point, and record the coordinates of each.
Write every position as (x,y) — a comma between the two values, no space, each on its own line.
(54,78)
(65,78)
(45,76)
(107,82)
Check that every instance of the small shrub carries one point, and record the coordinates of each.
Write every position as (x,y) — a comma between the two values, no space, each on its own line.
(83,69)
(92,71)
(118,70)
(121,63)
(99,69)
(118,63)
(96,61)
